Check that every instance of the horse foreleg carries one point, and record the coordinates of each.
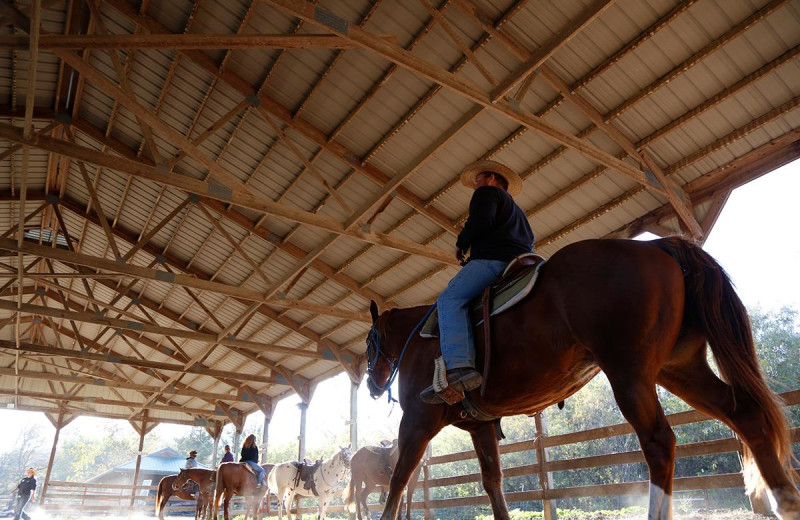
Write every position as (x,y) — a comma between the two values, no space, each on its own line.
(638,402)
(700,387)
(484,439)
(324,500)
(288,504)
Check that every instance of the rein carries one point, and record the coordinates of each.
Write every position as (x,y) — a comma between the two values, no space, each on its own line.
(395,366)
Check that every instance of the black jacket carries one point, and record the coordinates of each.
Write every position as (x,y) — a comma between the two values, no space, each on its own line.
(497,229)
(26,486)
(250,454)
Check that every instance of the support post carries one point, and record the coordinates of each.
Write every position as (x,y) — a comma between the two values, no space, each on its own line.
(301,450)
(142,432)
(59,424)
(237,437)
(216,449)
(426,475)
(354,416)
(545,477)
(265,439)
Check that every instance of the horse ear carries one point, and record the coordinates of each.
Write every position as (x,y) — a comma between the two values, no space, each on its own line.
(373,310)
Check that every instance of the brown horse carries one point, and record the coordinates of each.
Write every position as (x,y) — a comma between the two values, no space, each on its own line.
(368,472)
(166,491)
(640,311)
(205,480)
(236,478)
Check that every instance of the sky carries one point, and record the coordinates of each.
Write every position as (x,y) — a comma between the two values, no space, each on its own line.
(755,240)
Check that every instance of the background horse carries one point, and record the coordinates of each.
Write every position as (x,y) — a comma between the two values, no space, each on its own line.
(368,472)
(205,480)
(283,481)
(166,491)
(642,312)
(236,478)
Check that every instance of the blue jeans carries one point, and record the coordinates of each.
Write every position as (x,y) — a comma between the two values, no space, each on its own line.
(455,325)
(22,501)
(259,471)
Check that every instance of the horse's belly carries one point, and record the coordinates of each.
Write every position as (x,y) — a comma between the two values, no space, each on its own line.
(526,395)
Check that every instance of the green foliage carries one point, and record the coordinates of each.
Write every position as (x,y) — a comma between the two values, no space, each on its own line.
(31,451)
(199,440)
(82,457)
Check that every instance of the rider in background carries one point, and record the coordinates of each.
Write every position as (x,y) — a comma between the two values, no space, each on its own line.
(228,457)
(191,461)
(250,456)
(495,232)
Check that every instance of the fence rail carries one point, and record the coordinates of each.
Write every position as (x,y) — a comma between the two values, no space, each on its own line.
(722,481)
(67,498)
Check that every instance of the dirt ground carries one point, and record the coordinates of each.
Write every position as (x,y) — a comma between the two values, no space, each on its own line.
(725,514)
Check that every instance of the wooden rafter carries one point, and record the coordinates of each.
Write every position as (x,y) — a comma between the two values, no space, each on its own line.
(469,91)
(284,321)
(216,191)
(181,41)
(174,278)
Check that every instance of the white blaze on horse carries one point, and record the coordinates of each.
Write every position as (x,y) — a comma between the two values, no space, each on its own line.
(284,481)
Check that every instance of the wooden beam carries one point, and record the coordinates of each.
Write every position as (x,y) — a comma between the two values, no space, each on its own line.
(156,329)
(130,361)
(213,412)
(182,41)
(541,55)
(214,190)
(339,151)
(175,278)
(468,90)
(178,264)
(243,389)
(101,382)
(675,195)
(762,160)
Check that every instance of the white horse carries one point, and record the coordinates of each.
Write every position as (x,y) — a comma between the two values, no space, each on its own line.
(284,482)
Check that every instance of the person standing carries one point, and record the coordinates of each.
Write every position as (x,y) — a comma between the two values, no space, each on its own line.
(495,232)
(250,456)
(228,457)
(26,492)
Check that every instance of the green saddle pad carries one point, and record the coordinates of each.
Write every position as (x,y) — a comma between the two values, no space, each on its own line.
(505,294)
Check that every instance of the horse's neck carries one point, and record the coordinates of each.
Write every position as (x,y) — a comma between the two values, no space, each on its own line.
(331,464)
(401,324)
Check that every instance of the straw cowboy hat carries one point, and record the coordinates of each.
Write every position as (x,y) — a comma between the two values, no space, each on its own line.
(470,173)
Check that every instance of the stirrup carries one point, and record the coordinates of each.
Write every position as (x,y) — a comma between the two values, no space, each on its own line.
(441,390)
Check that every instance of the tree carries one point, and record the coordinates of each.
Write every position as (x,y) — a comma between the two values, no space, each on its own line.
(30,452)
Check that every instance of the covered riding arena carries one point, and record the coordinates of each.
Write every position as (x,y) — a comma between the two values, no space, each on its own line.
(199,198)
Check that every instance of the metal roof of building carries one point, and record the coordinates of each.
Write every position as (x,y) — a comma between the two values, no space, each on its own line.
(213,191)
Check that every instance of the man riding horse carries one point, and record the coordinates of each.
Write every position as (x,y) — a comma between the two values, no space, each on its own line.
(496,231)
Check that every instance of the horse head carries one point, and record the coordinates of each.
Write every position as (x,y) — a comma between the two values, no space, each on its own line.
(379,366)
(346,454)
(180,481)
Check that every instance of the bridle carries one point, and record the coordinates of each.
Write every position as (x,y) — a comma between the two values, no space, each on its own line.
(375,352)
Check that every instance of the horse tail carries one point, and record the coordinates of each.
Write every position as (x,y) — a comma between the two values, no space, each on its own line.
(158,497)
(714,306)
(349,495)
(219,486)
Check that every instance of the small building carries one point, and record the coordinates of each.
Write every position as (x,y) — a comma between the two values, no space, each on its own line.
(152,469)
